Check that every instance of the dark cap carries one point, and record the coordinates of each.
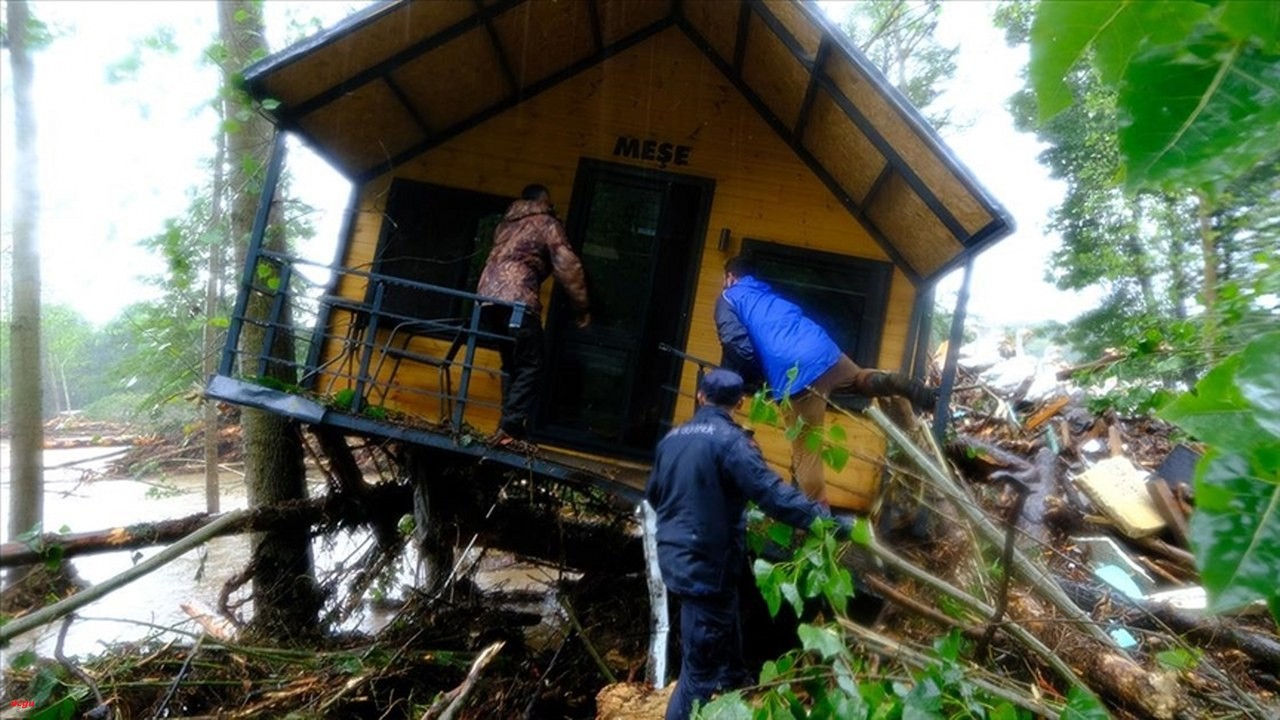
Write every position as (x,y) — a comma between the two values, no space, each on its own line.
(722,387)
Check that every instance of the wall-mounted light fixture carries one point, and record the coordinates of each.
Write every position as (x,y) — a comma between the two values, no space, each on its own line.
(723,243)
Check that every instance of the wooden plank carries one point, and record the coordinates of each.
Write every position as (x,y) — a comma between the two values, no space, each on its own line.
(542,38)
(773,72)
(381,39)
(428,81)
(857,87)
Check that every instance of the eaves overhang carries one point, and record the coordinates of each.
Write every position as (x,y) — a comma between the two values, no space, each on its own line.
(400,78)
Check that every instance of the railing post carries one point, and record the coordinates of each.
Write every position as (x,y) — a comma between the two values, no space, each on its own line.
(468,359)
(942,415)
(366,350)
(278,306)
(269,185)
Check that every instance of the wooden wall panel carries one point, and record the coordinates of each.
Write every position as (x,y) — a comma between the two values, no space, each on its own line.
(383,37)
(428,82)
(855,86)
(717,23)
(774,73)
(620,18)
(806,33)
(663,89)
(541,38)
(900,212)
(841,148)
(371,115)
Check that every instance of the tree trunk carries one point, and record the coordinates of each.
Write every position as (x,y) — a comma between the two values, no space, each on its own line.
(26,489)
(212,303)
(1209,250)
(285,594)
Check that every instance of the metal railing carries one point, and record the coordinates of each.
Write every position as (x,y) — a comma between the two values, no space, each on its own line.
(313,328)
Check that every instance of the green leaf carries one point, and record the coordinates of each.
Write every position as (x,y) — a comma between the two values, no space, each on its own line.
(729,706)
(1083,705)
(836,434)
(1003,711)
(1216,412)
(861,531)
(1179,658)
(1252,20)
(1235,532)
(822,640)
(1259,382)
(792,595)
(780,534)
(836,457)
(1062,33)
(768,583)
(22,660)
(270,104)
(1201,113)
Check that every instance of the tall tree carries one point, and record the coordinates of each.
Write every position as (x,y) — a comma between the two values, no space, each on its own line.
(1159,250)
(26,491)
(286,597)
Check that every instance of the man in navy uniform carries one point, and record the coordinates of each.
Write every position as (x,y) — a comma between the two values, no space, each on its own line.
(704,472)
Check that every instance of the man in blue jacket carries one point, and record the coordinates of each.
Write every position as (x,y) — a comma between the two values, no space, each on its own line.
(764,337)
(704,472)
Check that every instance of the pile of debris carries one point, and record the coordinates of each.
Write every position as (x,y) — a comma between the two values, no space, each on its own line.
(1056,541)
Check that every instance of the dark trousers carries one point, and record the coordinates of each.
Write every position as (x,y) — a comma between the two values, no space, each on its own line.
(711,651)
(521,365)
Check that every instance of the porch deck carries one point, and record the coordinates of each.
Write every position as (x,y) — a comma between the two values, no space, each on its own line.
(340,345)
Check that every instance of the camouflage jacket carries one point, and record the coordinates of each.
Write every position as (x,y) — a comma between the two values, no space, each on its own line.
(528,245)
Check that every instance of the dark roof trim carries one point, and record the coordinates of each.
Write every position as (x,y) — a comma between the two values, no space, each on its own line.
(740,41)
(525,94)
(926,194)
(803,153)
(915,122)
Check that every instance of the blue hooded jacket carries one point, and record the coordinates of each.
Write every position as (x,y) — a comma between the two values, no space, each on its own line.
(704,473)
(761,328)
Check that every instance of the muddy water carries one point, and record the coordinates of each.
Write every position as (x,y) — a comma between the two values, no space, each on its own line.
(78,499)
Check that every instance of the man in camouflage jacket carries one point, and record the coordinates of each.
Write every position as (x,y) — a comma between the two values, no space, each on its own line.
(528,245)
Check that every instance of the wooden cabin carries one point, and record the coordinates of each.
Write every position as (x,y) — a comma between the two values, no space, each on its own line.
(673,134)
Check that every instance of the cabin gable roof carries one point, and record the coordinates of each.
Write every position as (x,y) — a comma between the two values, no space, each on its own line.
(402,77)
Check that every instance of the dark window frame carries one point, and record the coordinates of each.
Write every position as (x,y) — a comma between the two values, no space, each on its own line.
(397,299)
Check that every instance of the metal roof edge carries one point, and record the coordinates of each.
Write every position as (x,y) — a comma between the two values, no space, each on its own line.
(917,122)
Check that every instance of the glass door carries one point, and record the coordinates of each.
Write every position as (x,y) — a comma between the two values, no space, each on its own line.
(639,234)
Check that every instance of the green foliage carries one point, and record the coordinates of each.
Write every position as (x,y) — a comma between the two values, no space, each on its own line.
(1198,83)
(1235,530)
(812,572)
(1180,658)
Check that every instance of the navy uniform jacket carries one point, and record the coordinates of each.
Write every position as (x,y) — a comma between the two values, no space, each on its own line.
(704,473)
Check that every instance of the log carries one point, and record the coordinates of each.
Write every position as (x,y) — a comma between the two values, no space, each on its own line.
(1111,673)
(52,612)
(1208,631)
(16,554)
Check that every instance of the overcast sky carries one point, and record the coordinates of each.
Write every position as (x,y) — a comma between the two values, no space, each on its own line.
(117,158)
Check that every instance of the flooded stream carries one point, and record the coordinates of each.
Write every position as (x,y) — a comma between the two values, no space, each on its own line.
(78,499)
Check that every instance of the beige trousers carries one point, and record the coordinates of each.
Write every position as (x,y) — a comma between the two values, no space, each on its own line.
(811,408)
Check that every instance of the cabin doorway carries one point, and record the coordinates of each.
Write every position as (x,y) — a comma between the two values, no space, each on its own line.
(640,234)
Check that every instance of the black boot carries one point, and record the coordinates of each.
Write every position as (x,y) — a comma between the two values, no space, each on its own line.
(921,396)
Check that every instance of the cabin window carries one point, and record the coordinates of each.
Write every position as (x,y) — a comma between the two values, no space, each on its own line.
(847,296)
(438,236)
